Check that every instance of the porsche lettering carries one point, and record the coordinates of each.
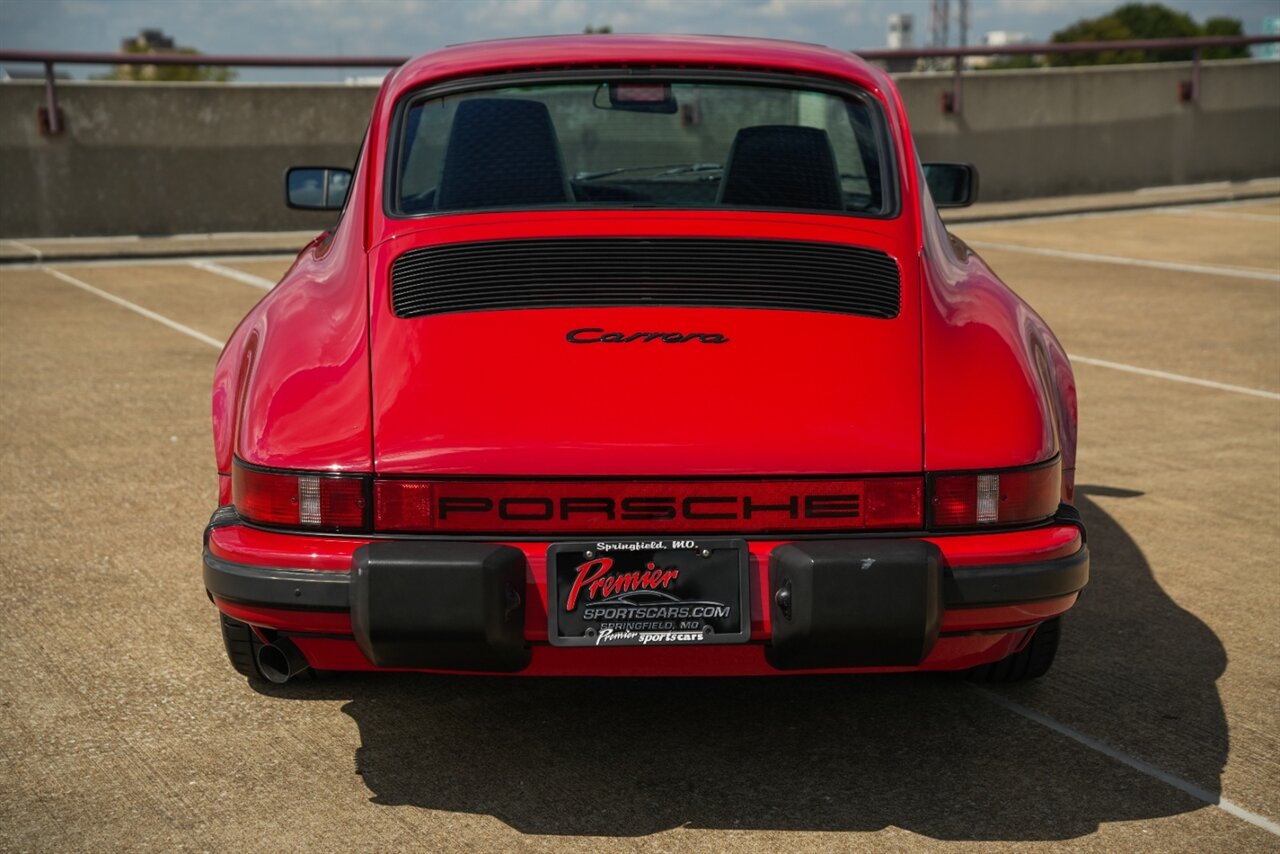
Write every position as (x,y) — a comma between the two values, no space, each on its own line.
(650,508)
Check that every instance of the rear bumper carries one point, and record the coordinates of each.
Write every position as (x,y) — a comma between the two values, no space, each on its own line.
(994,589)
(328,590)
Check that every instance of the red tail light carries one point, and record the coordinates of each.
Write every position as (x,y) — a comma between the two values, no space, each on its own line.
(341,503)
(641,507)
(402,505)
(324,502)
(996,497)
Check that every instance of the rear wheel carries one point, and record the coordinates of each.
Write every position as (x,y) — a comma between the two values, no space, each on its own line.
(1031,662)
(242,646)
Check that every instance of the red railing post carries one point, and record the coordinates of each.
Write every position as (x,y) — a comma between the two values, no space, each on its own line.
(955,104)
(1195,76)
(51,116)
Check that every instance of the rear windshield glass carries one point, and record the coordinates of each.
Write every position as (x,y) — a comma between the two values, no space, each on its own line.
(642,144)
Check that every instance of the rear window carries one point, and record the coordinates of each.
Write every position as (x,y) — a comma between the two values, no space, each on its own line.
(642,144)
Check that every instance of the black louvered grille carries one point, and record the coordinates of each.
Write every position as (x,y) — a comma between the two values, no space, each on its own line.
(604,272)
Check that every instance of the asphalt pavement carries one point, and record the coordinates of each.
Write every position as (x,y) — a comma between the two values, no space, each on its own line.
(122,725)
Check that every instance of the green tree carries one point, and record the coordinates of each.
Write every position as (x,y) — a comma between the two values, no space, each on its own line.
(1224,27)
(601,30)
(1017,60)
(1142,21)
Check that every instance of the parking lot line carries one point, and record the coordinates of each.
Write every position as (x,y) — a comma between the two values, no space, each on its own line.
(1210,269)
(260,282)
(1178,378)
(36,254)
(1147,768)
(152,261)
(1219,214)
(145,312)
(230,273)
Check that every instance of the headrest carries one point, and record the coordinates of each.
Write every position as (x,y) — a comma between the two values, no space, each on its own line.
(782,166)
(501,152)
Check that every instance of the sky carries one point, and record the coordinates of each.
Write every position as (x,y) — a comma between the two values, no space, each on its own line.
(410,27)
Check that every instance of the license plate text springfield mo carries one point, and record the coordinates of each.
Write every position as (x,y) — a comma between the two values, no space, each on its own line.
(648,592)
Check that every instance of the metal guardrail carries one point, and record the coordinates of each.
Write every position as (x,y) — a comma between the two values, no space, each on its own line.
(51,117)
(1188,90)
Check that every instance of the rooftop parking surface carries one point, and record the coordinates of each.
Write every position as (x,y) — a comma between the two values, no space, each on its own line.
(121,723)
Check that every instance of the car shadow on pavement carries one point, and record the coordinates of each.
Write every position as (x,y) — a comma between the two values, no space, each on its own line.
(925,753)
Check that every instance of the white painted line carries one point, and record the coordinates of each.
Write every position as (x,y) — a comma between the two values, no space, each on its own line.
(1206,269)
(1084,360)
(1219,214)
(232,273)
(1147,768)
(1057,217)
(1178,188)
(1232,203)
(1177,378)
(157,261)
(1068,216)
(36,253)
(303,237)
(145,312)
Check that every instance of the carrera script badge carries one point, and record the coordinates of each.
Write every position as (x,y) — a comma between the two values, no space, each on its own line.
(598,335)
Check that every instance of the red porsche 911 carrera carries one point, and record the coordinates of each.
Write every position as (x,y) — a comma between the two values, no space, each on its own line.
(642,355)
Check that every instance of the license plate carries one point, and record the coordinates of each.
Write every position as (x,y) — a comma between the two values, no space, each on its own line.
(656,592)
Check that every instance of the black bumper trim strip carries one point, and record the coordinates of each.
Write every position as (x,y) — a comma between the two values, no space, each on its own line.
(1011,583)
(223,517)
(963,587)
(272,587)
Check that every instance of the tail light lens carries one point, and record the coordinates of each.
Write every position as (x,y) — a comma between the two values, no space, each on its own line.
(323,502)
(995,498)
(402,505)
(357,503)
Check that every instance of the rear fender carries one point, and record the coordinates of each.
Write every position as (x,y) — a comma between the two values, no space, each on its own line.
(998,386)
(291,389)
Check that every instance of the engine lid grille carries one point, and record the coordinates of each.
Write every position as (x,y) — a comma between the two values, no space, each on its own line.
(628,272)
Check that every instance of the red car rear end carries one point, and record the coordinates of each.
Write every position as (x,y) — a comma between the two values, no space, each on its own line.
(641,356)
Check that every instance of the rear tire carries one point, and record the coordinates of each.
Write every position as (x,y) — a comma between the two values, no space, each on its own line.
(242,646)
(1031,662)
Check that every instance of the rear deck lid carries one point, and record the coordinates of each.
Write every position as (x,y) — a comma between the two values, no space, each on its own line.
(655,356)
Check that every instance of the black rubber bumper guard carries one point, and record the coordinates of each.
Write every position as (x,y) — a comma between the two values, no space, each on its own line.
(446,605)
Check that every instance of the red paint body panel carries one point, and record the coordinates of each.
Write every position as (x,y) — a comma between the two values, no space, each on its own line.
(503,392)
(322,376)
(950,653)
(291,389)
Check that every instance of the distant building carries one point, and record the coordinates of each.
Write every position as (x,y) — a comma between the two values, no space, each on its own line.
(1270,27)
(901,35)
(998,38)
(8,72)
(1001,38)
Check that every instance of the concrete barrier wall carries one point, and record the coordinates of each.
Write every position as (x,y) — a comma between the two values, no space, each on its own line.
(159,158)
(184,158)
(1052,132)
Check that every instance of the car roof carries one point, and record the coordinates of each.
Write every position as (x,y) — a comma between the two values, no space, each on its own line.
(618,50)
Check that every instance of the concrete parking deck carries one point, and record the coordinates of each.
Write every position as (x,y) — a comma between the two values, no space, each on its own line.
(122,725)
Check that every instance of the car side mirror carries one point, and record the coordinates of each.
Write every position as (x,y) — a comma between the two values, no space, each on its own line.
(316,188)
(952,185)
